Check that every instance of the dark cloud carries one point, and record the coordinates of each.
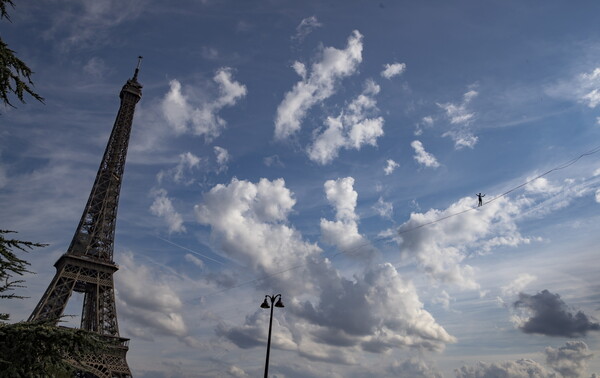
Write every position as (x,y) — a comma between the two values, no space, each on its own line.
(552,317)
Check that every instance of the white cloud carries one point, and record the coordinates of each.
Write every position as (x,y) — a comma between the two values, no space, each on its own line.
(589,85)
(300,69)
(441,248)
(518,284)
(194,260)
(551,197)
(188,162)
(306,26)
(162,207)
(523,368)
(201,119)
(273,161)
(351,129)
(390,167)
(443,299)
(248,221)
(423,157)
(222,156)
(459,115)
(541,186)
(95,67)
(570,360)
(236,372)
(597,196)
(394,69)
(414,368)
(318,85)
(425,122)
(147,298)
(378,311)
(89,23)
(384,209)
(343,232)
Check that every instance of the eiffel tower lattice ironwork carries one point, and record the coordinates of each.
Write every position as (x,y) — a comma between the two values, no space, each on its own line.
(88,267)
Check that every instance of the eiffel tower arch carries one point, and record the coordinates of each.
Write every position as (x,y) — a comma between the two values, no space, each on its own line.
(88,267)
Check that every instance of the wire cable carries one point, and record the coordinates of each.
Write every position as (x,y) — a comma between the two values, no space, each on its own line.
(357,247)
(562,166)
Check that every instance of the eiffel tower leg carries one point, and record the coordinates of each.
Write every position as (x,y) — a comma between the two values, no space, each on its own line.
(52,305)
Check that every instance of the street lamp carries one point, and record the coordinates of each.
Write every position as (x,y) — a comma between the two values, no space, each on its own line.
(265,304)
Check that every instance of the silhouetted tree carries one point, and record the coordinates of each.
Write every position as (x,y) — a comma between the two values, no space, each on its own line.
(11,265)
(15,75)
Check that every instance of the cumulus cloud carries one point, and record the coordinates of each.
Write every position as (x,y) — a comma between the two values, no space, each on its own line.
(236,372)
(523,368)
(541,186)
(394,69)
(249,223)
(384,209)
(317,85)
(147,298)
(351,129)
(414,368)
(423,157)
(306,26)
(222,156)
(441,248)
(390,167)
(547,314)
(377,311)
(460,116)
(163,207)
(202,118)
(343,232)
(570,360)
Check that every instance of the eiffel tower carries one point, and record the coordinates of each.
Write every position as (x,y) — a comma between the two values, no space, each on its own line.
(88,267)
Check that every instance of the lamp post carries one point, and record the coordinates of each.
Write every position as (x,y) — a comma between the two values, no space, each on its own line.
(265,304)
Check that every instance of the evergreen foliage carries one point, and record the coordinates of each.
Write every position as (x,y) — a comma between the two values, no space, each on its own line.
(36,349)
(11,265)
(41,349)
(15,75)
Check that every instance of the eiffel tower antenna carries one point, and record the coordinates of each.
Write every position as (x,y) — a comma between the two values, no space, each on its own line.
(88,267)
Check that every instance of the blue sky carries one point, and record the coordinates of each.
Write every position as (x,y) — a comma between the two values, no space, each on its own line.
(293,147)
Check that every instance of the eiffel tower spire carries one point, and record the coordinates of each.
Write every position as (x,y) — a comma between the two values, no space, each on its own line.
(88,267)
